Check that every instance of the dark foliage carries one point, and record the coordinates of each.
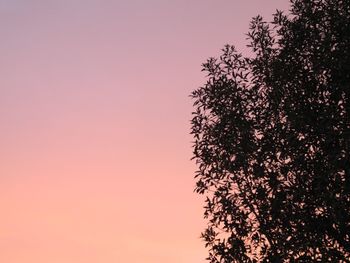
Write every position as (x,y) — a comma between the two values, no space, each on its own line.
(272,140)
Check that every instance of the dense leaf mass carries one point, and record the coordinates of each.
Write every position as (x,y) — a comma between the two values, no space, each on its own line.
(272,140)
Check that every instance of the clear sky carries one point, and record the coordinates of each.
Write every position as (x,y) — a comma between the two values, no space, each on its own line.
(94,110)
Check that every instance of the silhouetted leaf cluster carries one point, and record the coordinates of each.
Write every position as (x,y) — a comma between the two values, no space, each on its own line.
(272,140)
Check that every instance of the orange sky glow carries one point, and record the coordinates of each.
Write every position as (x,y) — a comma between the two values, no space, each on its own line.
(95,119)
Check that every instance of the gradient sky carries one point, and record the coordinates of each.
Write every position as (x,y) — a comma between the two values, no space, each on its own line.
(94,141)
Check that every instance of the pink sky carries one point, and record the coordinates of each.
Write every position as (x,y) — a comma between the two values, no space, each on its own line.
(94,141)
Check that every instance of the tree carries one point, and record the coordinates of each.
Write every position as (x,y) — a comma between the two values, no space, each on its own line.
(272,140)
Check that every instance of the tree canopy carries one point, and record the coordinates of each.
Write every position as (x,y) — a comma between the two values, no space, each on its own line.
(272,140)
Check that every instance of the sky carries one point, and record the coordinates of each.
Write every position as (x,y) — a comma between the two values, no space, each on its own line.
(95,118)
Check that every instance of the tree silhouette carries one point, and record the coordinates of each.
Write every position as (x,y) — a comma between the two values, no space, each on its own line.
(272,140)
